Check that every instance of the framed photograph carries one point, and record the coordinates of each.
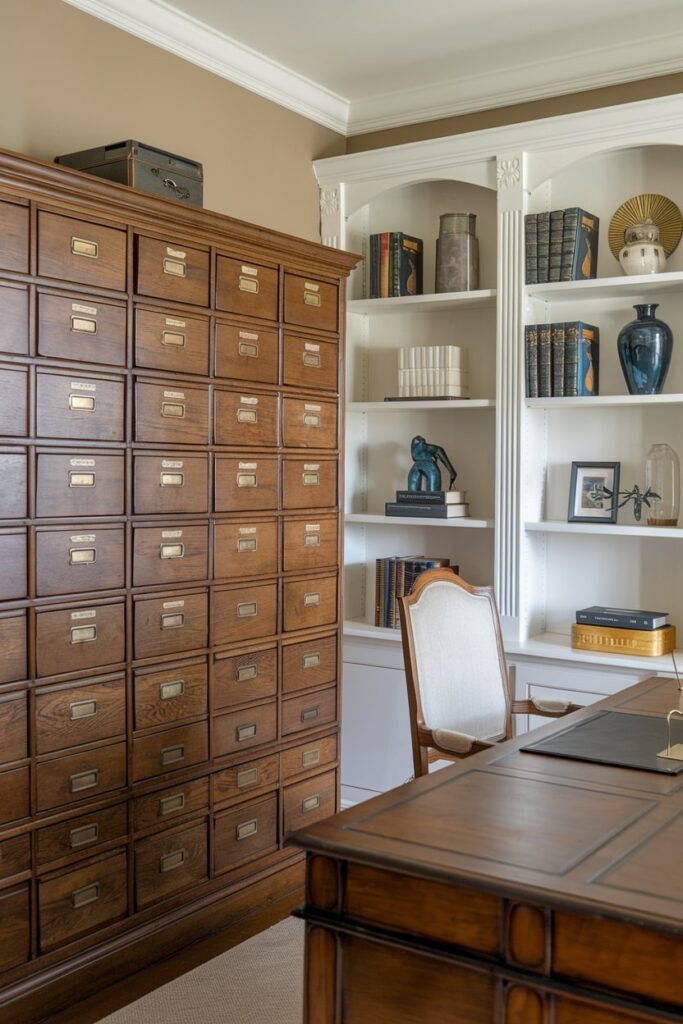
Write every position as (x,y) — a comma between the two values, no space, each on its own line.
(594,492)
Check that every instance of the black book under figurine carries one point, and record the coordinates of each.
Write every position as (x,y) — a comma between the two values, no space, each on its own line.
(621,618)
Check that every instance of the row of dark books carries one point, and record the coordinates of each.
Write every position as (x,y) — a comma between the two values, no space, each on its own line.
(428,505)
(395,265)
(394,578)
(561,246)
(562,359)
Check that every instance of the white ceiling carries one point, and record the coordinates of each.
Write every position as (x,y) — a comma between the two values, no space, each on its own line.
(359,65)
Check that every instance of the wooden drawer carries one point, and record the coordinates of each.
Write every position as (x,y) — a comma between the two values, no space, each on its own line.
(84,408)
(309,711)
(81,328)
(171,694)
(170,624)
(78,559)
(170,554)
(14,927)
(307,423)
(170,862)
(309,483)
(15,856)
(79,484)
(304,758)
(14,233)
(13,578)
(78,639)
(240,678)
(309,603)
(245,548)
(246,353)
(13,401)
(13,646)
(245,832)
(82,833)
(310,364)
(171,413)
(14,795)
(64,780)
(13,316)
(310,544)
(168,751)
(166,804)
(248,483)
(172,270)
(166,483)
(13,727)
(245,420)
(171,341)
(311,663)
(247,288)
(76,713)
(14,483)
(79,250)
(82,899)
(311,303)
(245,613)
(309,801)
(241,730)
(242,780)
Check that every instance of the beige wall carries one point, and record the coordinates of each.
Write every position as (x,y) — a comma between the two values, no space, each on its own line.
(69,81)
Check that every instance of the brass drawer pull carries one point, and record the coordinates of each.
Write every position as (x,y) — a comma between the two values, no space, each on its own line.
(171,861)
(310,803)
(176,268)
(83,325)
(171,551)
(311,479)
(247,416)
(246,672)
(84,835)
(84,247)
(312,419)
(247,480)
(83,634)
(84,780)
(310,714)
(248,828)
(83,709)
(312,540)
(173,410)
(176,688)
(311,660)
(82,556)
(174,338)
(310,600)
(310,757)
(248,284)
(249,349)
(245,732)
(82,403)
(247,543)
(171,755)
(312,300)
(173,620)
(247,609)
(171,804)
(247,777)
(77,479)
(88,894)
(312,359)
(172,480)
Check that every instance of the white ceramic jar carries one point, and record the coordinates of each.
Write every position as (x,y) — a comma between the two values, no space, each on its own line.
(643,252)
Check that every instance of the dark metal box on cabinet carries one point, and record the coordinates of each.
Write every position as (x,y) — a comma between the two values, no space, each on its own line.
(171,553)
(80,776)
(247,288)
(244,548)
(246,420)
(309,663)
(81,251)
(78,559)
(81,899)
(13,495)
(14,795)
(13,316)
(13,646)
(244,613)
(245,832)
(170,862)
(15,856)
(308,756)
(78,639)
(81,712)
(309,423)
(15,939)
(167,482)
(13,564)
(309,710)
(79,483)
(309,483)
(310,363)
(170,694)
(81,328)
(241,678)
(142,167)
(246,352)
(164,805)
(79,407)
(245,483)
(245,779)
(87,831)
(167,340)
(168,751)
(13,727)
(170,623)
(240,730)
(172,270)
(14,231)
(309,801)
(311,303)
(309,603)
(13,401)
(171,413)
(310,543)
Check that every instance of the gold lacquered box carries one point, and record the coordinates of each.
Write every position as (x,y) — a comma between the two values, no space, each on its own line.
(649,643)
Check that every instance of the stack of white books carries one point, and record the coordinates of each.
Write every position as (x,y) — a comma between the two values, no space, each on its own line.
(433,371)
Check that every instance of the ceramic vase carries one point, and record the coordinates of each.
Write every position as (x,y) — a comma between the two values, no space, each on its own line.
(663,476)
(457,253)
(643,252)
(645,347)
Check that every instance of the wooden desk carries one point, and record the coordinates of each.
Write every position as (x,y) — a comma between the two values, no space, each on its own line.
(510,889)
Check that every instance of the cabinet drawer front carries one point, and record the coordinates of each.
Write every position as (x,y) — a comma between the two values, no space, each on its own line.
(310,544)
(79,484)
(172,270)
(82,899)
(79,559)
(309,711)
(14,927)
(170,695)
(308,756)
(311,303)
(311,364)
(84,329)
(307,423)
(14,792)
(13,578)
(309,801)
(246,484)
(246,420)
(171,413)
(245,549)
(171,341)
(13,402)
(14,229)
(13,728)
(14,484)
(78,250)
(169,751)
(166,483)
(240,730)
(70,640)
(170,863)
(244,677)
(170,554)
(246,832)
(168,625)
(65,780)
(245,613)
(82,833)
(13,316)
(247,288)
(15,856)
(247,778)
(13,646)
(166,804)
(309,483)
(84,408)
(246,353)
(67,716)
(309,603)
(312,663)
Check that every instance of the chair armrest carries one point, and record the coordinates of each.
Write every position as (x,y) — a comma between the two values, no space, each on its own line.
(545,708)
(449,742)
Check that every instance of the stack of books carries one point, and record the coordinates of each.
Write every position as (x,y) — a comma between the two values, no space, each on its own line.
(623,631)
(394,577)
(429,504)
(562,359)
(561,246)
(433,371)
(395,265)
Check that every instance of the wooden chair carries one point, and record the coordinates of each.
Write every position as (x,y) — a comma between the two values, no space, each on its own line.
(458,686)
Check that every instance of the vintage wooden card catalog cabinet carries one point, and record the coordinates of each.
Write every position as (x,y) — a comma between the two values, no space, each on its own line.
(169,594)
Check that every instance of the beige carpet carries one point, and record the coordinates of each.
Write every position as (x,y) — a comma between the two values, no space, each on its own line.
(258,982)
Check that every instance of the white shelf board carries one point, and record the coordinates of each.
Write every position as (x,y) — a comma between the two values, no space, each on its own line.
(608,287)
(432,303)
(598,401)
(420,404)
(358,627)
(605,529)
(371,519)
(558,646)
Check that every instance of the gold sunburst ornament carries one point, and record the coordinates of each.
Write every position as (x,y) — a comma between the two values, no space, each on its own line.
(661,211)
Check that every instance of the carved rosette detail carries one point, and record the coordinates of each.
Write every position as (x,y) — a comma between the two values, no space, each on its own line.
(329,201)
(508,173)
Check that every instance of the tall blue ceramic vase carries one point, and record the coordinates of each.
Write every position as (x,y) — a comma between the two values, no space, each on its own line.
(645,347)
